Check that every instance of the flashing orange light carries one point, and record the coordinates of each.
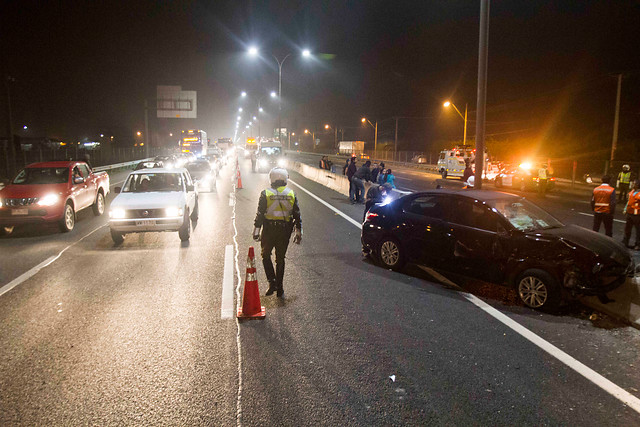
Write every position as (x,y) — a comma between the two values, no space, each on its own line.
(526,165)
(141,144)
(363,120)
(63,143)
(190,139)
(186,144)
(326,126)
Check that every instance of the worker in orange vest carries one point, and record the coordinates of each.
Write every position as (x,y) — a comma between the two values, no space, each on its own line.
(603,203)
(633,216)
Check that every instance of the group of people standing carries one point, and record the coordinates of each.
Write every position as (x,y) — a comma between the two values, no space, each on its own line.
(366,173)
(603,204)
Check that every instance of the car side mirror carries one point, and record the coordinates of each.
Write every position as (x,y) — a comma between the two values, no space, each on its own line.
(78,180)
(190,188)
(117,189)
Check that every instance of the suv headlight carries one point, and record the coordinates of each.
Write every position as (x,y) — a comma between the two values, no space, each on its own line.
(173,211)
(117,213)
(49,200)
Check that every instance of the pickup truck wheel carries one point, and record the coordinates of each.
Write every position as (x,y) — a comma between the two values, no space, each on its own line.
(539,290)
(117,237)
(68,220)
(185,231)
(98,206)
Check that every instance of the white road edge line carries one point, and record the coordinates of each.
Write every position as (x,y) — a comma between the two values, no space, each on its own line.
(591,215)
(226,309)
(588,373)
(34,270)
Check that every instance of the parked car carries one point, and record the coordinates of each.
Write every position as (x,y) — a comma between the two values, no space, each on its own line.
(52,192)
(496,237)
(148,165)
(523,177)
(202,174)
(154,200)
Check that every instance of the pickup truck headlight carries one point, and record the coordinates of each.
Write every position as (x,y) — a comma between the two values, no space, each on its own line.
(49,200)
(173,211)
(117,213)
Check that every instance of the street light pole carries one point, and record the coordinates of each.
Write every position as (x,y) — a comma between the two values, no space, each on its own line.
(466,107)
(280,93)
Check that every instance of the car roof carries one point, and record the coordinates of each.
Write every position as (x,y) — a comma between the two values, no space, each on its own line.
(158,170)
(55,164)
(481,195)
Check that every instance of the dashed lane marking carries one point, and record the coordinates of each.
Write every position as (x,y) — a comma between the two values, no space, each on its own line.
(588,373)
(227,308)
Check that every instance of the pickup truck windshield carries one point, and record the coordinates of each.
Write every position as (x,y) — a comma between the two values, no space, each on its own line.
(42,176)
(150,182)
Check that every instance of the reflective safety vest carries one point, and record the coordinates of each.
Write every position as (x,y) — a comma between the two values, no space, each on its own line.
(542,173)
(624,177)
(633,206)
(602,198)
(280,203)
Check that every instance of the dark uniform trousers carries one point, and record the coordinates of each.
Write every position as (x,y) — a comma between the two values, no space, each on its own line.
(275,234)
(624,192)
(633,221)
(603,218)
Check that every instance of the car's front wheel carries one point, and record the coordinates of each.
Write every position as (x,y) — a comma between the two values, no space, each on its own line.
(538,289)
(117,237)
(390,254)
(68,220)
(185,231)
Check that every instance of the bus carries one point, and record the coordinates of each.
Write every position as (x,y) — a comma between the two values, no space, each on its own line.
(194,141)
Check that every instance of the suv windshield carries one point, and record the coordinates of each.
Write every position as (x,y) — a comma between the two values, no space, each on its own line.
(148,182)
(524,215)
(42,176)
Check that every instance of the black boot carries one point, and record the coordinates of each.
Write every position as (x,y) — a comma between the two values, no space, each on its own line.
(272,288)
(280,291)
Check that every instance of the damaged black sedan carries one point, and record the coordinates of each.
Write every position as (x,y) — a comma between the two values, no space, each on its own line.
(496,237)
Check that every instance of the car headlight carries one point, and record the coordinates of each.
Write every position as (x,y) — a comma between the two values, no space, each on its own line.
(117,213)
(49,200)
(168,165)
(173,211)
(262,162)
(282,163)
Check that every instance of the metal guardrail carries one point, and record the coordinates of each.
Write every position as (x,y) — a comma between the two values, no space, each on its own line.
(119,165)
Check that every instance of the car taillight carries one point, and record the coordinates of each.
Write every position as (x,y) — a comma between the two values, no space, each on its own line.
(371,216)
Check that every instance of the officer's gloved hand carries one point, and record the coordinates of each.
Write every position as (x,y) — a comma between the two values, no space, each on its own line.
(256,234)
(297,238)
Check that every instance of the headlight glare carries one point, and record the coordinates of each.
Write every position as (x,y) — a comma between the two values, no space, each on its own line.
(49,200)
(282,163)
(117,213)
(173,211)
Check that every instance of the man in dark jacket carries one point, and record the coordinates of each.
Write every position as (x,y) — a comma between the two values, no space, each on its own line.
(351,171)
(362,174)
(376,194)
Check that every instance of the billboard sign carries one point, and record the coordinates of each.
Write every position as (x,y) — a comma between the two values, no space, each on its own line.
(174,103)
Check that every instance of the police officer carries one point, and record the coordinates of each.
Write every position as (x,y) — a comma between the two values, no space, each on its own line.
(603,203)
(633,215)
(624,178)
(278,214)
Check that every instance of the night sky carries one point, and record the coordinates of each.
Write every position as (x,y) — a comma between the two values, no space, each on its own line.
(83,68)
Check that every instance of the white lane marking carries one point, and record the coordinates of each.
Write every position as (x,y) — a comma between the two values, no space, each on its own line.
(238,342)
(34,270)
(226,310)
(608,386)
(232,199)
(591,215)
(339,212)
(616,391)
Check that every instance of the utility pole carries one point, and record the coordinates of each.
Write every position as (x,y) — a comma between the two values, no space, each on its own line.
(483,53)
(395,144)
(10,167)
(146,128)
(616,120)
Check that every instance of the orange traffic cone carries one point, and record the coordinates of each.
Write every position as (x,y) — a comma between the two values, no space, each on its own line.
(239,183)
(251,308)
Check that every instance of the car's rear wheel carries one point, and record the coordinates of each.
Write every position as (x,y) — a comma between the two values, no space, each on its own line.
(390,254)
(444,174)
(98,206)
(68,220)
(539,290)
(117,237)
(185,231)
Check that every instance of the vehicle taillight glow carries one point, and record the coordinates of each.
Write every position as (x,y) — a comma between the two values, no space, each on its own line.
(371,215)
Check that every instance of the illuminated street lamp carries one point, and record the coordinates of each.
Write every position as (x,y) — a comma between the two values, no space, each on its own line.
(138,133)
(364,120)
(273,94)
(25,127)
(243,94)
(447,104)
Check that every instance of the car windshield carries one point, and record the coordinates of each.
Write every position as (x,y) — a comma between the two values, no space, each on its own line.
(524,215)
(42,176)
(151,182)
(271,151)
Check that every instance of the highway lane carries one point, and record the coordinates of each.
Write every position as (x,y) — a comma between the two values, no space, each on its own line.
(29,246)
(133,335)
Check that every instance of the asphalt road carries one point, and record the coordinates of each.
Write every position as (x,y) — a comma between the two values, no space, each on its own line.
(134,334)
